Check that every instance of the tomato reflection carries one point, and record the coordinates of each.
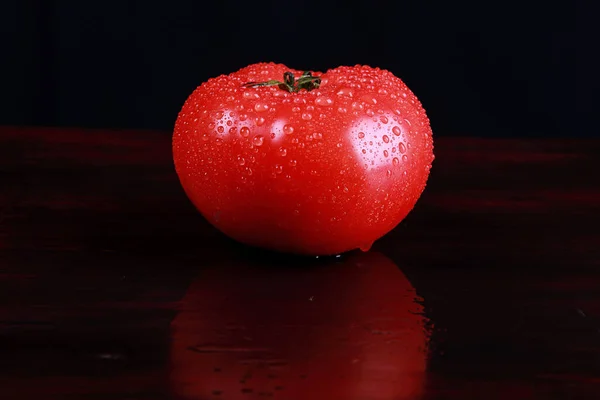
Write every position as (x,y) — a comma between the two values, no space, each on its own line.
(348,329)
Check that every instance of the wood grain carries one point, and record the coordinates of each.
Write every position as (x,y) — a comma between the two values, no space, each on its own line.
(106,270)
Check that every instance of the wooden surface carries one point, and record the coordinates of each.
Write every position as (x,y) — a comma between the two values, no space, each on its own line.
(113,287)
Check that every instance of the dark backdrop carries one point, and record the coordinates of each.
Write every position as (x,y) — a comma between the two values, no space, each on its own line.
(480,68)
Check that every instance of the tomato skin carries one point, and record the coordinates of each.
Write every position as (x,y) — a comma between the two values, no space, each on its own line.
(315,172)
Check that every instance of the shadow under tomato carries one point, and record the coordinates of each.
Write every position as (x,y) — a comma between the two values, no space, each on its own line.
(339,328)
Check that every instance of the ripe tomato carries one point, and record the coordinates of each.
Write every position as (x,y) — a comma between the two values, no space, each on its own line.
(318,164)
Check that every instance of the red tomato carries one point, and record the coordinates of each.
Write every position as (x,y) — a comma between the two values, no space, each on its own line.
(316,165)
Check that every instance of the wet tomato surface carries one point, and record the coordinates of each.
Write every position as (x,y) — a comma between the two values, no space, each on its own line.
(303,162)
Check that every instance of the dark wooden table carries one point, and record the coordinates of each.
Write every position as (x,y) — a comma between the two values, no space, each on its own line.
(112,286)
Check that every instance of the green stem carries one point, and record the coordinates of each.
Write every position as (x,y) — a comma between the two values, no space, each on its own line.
(290,83)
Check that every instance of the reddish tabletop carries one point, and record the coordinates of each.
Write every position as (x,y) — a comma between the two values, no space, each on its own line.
(112,286)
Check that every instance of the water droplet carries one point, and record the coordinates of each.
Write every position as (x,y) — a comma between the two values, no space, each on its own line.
(388,173)
(339,145)
(323,101)
(396,130)
(383,119)
(346,190)
(345,91)
(259,121)
(220,129)
(366,246)
(241,160)
(369,112)
(364,151)
(306,116)
(258,140)
(219,141)
(282,151)
(342,110)
(278,169)
(402,147)
(272,135)
(245,131)
(251,94)
(243,117)
(288,129)
(317,135)
(357,106)
(249,171)
(261,107)
(219,114)
(395,161)
(361,135)
(296,109)
(232,130)
(205,136)
(293,163)
(405,158)
(386,139)
(369,99)
(386,153)
(382,91)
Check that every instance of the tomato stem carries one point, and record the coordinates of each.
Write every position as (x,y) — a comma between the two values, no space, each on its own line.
(290,83)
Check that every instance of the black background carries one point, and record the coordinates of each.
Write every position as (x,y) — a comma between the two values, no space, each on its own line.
(480,68)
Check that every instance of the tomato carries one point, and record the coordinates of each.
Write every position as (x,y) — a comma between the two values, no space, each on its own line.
(308,163)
